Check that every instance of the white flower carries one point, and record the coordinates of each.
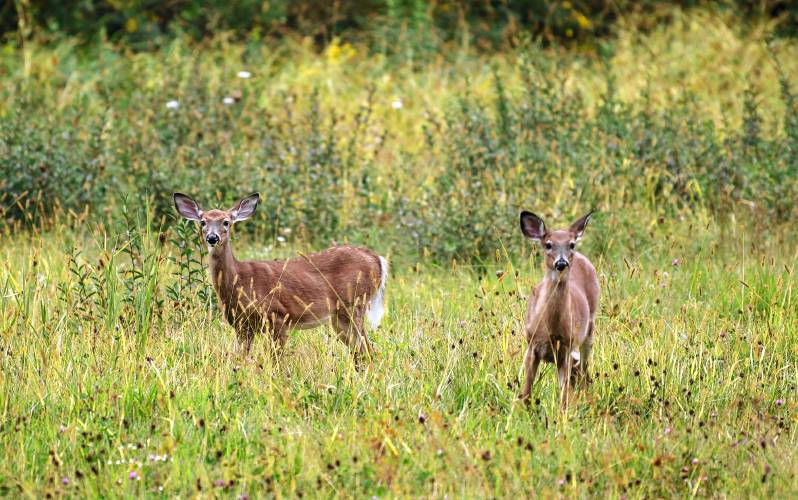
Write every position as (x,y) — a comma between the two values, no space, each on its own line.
(228,100)
(244,74)
(397,104)
(172,104)
(281,239)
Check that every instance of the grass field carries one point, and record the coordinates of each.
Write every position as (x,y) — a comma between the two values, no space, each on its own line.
(119,378)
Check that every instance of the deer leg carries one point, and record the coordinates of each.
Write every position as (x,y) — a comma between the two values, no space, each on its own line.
(278,336)
(564,369)
(531,364)
(244,338)
(584,351)
(350,331)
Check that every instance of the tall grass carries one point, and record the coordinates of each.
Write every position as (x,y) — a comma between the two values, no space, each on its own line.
(119,378)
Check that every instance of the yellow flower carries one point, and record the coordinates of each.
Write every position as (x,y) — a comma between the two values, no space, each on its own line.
(337,53)
(582,20)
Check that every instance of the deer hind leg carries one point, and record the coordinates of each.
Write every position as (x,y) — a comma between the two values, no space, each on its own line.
(583,370)
(348,323)
(531,364)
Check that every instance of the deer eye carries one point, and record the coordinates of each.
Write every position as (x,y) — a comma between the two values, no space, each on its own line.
(202,223)
(548,245)
(226,223)
(573,245)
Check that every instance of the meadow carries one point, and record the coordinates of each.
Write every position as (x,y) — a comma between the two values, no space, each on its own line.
(120,378)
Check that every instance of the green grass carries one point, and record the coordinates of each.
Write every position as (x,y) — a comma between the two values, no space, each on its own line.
(690,362)
(114,360)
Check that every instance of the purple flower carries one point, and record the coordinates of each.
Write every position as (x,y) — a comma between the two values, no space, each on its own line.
(561,482)
(676,262)
(64,480)
(133,475)
(667,430)
(779,402)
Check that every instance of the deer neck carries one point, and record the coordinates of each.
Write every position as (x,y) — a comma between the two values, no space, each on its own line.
(557,295)
(222,266)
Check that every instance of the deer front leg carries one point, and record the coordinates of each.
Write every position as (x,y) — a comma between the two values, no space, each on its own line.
(244,338)
(564,369)
(278,335)
(531,363)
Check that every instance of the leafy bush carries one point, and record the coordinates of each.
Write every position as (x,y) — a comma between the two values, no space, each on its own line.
(331,172)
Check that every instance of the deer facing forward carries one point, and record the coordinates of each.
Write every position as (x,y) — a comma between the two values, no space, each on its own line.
(343,285)
(562,307)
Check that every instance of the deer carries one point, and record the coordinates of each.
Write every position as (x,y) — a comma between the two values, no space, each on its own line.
(342,286)
(561,311)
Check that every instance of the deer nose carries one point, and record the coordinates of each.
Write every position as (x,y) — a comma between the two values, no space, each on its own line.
(212,239)
(560,265)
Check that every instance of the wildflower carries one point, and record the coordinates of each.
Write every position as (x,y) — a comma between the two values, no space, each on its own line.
(243,496)
(133,475)
(676,262)
(397,104)
(62,429)
(779,402)
(281,239)
(220,483)
(172,104)
(694,461)
(244,74)
(561,482)
(667,430)
(228,100)
(65,480)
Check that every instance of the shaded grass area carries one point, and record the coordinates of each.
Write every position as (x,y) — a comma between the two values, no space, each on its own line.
(694,391)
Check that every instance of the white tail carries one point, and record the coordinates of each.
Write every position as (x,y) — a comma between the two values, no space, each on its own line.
(376,309)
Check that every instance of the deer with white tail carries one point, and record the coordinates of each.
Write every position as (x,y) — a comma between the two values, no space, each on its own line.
(562,308)
(342,286)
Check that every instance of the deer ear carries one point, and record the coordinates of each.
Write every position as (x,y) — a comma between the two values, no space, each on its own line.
(532,226)
(578,227)
(245,208)
(187,207)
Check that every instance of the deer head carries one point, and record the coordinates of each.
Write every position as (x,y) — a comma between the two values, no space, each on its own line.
(559,245)
(216,224)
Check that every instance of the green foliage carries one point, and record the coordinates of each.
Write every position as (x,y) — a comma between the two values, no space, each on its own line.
(535,145)
(118,376)
(410,28)
(545,150)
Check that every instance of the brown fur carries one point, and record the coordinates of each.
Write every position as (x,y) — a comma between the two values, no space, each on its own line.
(562,308)
(333,286)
